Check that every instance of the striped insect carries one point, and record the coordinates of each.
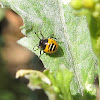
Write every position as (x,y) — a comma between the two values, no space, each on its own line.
(48,45)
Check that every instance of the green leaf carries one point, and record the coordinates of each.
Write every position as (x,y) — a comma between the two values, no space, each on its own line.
(94,26)
(74,52)
(38,80)
(56,85)
(61,82)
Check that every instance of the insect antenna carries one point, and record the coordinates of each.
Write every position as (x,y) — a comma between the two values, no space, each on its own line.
(37,35)
(42,35)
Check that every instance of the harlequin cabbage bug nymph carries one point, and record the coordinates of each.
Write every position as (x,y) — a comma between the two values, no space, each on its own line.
(48,45)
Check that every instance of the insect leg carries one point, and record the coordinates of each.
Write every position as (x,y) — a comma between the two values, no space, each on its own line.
(37,45)
(40,53)
(42,35)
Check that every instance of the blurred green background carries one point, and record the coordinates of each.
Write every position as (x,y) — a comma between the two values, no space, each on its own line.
(14,57)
